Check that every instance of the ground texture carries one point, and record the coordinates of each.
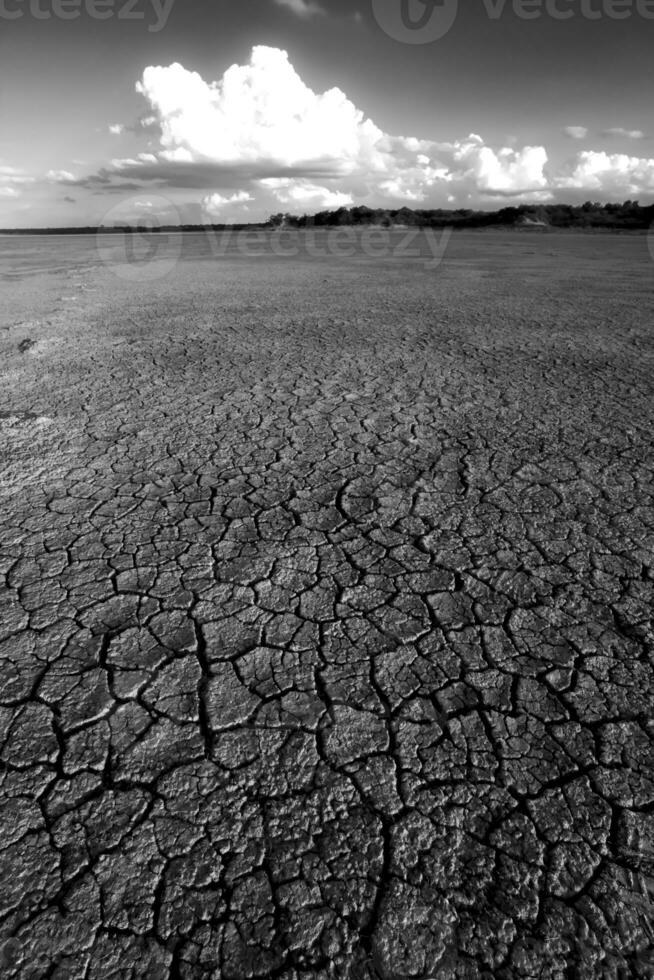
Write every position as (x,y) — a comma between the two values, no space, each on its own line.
(326,637)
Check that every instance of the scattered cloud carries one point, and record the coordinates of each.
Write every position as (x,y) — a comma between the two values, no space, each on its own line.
(11,175)
(302,8)
(60,176)
(131,162)
(116,129)
(303,194)
(612,175)
(12,181)
(401,189)
(629,134)
(581,132)
(215,203)
(576,132)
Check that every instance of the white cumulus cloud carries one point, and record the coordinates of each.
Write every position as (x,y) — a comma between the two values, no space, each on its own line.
(302,193)
(214,203)
(510,171)
(506,172)
(612,174)
(60,176)
(263,118)
(259,113)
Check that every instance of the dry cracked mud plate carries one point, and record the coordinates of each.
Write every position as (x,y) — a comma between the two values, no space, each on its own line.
(326,633)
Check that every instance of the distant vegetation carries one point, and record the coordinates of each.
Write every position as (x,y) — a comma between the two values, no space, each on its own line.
(629,216)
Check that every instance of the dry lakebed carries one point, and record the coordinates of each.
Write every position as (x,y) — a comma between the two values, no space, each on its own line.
(326,589)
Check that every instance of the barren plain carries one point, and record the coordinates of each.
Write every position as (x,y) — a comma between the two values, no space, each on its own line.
(325,610)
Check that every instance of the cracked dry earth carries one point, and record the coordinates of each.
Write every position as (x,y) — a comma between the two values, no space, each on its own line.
(326,644)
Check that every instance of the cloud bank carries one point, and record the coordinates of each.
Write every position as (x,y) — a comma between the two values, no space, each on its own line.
(260,135)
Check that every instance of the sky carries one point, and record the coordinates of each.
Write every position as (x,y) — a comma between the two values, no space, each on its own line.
(172,111)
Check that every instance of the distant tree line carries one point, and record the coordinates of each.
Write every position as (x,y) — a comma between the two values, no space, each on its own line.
(629,215)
